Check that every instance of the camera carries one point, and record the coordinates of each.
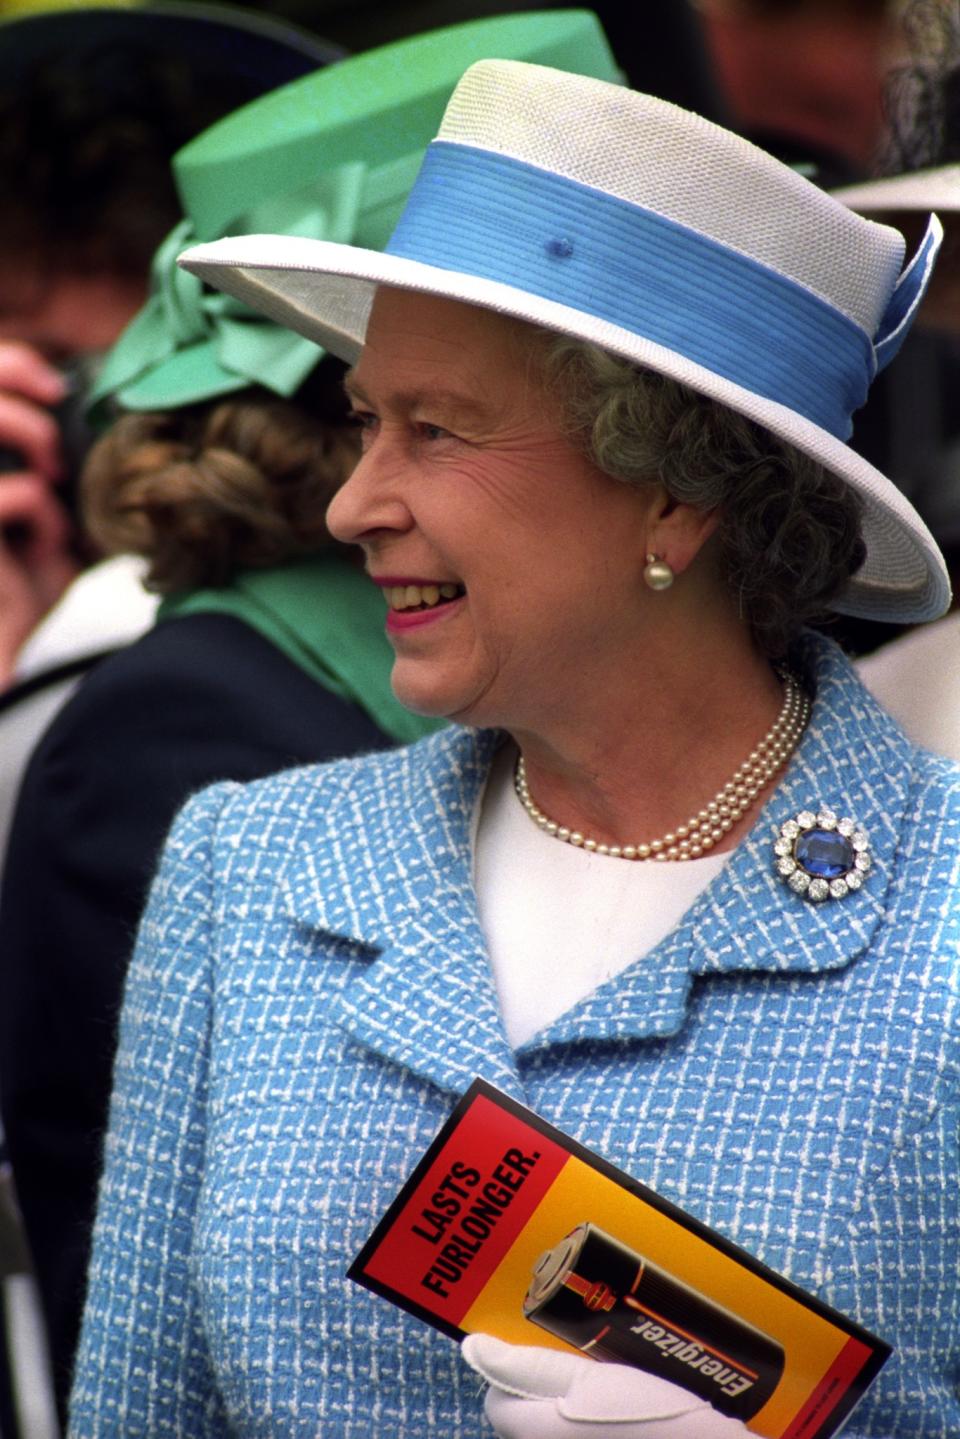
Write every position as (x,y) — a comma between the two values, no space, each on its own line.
(76,437)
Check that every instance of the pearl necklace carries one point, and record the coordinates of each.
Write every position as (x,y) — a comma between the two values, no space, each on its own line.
(702,830)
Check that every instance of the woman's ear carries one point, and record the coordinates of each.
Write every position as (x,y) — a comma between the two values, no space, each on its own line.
(677,531)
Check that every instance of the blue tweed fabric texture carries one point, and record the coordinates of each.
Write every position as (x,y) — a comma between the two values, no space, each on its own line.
(311,995)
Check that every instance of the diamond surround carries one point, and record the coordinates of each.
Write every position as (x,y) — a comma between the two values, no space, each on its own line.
(822,855)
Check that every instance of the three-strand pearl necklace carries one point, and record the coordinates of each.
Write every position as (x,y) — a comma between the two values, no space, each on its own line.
(703,829)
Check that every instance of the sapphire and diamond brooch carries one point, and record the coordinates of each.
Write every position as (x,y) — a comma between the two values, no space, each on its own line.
(821,855)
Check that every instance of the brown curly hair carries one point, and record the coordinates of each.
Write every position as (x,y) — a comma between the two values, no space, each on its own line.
(204,491)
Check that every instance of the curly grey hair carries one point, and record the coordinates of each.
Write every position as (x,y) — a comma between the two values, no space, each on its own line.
(789,532)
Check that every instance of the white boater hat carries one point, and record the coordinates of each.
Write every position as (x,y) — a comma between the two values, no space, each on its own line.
(601,213)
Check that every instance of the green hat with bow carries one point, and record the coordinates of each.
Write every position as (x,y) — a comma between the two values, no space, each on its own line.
(331,156)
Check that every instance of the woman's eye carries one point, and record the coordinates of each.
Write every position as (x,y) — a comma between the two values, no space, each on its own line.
(368,423)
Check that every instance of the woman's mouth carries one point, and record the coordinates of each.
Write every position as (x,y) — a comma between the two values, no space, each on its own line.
(421,596)
(412,603)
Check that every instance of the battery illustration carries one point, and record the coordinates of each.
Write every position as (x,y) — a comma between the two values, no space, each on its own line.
(613,1304)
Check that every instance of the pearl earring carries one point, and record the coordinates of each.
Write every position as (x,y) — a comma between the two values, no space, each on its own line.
(657,573)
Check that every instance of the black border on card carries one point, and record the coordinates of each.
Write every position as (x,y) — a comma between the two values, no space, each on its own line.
(880,1350)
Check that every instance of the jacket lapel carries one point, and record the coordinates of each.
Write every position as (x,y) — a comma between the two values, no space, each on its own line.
(404,894)
(854,760)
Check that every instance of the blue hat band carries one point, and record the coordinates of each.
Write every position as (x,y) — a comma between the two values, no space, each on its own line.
(500,219)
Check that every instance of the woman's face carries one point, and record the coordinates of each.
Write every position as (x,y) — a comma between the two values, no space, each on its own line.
(512,566)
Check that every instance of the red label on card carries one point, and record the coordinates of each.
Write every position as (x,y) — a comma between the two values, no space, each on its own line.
(479,1191)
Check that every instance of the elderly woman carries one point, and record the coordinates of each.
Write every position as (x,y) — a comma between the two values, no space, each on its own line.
(677,883)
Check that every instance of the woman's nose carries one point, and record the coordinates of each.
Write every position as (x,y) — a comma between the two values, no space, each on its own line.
(366,503)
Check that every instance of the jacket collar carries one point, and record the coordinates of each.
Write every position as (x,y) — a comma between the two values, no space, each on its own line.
(404,892)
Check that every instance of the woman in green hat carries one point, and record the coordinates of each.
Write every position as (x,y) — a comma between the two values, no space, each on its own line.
(95,99)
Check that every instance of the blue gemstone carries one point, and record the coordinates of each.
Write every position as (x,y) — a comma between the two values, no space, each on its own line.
(824,853)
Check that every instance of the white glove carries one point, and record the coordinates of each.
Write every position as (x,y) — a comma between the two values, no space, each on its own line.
(547,1394)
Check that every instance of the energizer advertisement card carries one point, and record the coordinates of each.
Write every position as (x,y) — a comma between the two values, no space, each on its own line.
(509,1227)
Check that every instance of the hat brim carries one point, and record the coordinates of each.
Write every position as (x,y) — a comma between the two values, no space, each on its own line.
(325,290)
(935,190)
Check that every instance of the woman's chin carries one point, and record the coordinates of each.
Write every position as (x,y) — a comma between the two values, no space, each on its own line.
(422,694)
(435,696)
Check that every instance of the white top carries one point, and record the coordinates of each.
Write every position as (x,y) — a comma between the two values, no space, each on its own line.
(560,921)
(106,606)
(917,678)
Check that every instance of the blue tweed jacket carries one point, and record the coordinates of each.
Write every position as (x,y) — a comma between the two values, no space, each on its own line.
(311,994)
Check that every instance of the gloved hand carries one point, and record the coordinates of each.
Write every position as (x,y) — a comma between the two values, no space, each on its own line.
(547,1394)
